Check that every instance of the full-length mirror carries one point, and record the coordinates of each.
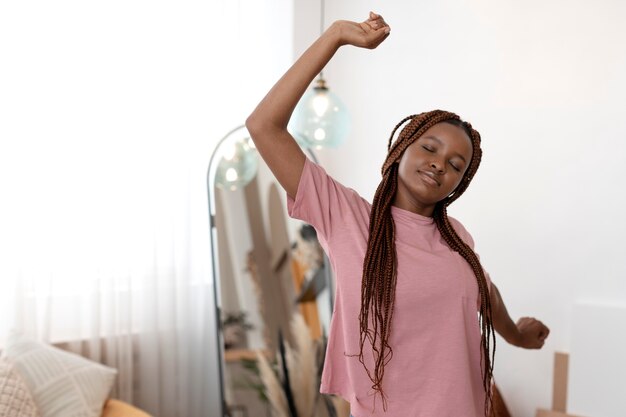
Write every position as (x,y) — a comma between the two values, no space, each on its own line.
(268,268)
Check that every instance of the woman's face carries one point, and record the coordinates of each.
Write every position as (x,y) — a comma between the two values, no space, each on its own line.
(432,167)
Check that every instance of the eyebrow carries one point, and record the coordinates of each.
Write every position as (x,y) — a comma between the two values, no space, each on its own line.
(436,139)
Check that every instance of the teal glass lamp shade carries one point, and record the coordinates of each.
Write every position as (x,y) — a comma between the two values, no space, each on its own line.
(320,119)
(238,163)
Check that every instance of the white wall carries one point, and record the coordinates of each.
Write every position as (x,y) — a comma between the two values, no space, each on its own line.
(544,83)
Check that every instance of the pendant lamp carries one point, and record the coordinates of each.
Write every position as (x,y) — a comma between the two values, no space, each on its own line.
(238,160)
(320,120)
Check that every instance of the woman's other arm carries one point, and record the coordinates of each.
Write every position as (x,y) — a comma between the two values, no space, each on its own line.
(528,333)
(268,122)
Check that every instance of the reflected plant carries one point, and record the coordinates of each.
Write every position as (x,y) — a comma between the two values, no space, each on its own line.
(234,328)
(290,381)
(251,366)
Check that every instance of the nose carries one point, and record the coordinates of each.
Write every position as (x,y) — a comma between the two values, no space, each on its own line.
(437,166)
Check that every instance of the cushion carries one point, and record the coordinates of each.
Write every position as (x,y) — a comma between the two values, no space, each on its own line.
(15,398)
(62,383)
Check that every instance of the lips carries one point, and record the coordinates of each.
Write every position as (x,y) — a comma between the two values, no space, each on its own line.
(429,178)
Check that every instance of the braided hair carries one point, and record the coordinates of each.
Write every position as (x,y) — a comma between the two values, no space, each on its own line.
(380,263)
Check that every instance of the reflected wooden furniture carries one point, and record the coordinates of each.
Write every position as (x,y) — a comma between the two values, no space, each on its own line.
(308,309)
(235,355)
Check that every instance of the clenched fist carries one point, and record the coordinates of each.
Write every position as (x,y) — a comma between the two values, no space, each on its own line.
(532,333)
(368,34)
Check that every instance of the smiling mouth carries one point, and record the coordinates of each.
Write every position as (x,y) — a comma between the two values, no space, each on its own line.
(429,178)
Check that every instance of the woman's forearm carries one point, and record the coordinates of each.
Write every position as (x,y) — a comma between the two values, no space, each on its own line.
(502,322)
(267,124)
(276,108)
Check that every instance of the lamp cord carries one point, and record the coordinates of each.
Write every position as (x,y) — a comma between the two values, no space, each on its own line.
(321,16)
(321,29)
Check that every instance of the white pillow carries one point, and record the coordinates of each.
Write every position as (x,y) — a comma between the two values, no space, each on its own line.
(63,384)
(15,398)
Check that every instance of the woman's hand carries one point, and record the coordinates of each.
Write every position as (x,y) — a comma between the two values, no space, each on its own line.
(532,333)
(368,34)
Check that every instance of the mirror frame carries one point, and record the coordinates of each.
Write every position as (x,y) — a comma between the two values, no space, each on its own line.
(216,383)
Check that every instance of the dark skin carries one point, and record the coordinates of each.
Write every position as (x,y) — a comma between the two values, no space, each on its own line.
(432,167)
(429,170)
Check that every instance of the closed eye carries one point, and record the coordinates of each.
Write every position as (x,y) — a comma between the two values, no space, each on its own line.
(455,167)
(428,148)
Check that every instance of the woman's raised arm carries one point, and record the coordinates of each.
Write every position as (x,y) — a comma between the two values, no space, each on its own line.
(268,122)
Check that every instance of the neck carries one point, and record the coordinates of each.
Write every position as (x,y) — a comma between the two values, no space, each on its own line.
(413,206)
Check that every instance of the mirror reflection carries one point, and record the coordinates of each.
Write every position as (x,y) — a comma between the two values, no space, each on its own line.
(273,279)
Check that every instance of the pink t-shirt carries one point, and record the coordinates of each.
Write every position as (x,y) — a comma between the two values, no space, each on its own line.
(436,368)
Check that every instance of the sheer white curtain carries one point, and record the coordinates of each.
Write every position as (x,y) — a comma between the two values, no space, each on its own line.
(109,113)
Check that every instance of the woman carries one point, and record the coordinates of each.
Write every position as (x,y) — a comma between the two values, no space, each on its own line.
(408,283)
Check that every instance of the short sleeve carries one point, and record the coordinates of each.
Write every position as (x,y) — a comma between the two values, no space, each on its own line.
(467,238)
(323,202)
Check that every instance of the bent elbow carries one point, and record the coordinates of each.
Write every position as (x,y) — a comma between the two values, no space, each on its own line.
(253,124)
